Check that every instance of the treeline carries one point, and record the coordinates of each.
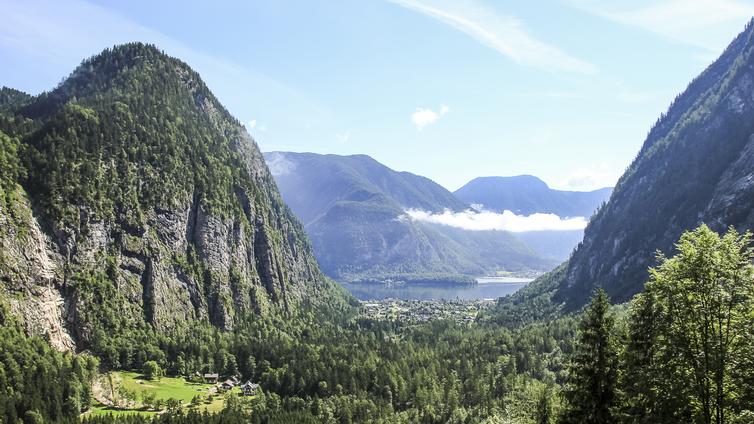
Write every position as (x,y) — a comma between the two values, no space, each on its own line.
(366,371)
(37,383)
(684,352)
(438,278)
(357,371)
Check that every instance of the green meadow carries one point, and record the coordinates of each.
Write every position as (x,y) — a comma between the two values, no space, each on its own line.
(163,389)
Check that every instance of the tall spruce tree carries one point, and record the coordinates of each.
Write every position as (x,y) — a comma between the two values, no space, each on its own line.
(590,390)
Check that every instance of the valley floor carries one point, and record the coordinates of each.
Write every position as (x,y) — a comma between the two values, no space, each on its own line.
(416,311)
(126,393)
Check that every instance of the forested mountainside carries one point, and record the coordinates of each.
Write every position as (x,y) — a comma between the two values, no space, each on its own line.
(353,208)
(694,167)
(691,160)
(133,202)
(526,194)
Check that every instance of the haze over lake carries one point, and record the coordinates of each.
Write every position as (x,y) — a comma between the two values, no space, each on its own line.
(488,288)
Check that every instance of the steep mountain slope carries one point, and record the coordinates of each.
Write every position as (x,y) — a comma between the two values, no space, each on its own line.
(354,211)
(696,166)
(557,245)
(526,194)
(132,200)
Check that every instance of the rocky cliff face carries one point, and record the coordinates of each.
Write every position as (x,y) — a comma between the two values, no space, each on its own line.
(32,273)
(141,201)
(695,167)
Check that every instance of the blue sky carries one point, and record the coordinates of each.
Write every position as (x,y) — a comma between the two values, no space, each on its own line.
(449,89)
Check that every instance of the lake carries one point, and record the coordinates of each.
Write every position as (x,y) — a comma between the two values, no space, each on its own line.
(488,288)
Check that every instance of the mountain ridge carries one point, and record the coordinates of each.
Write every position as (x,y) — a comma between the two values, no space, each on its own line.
(527,194)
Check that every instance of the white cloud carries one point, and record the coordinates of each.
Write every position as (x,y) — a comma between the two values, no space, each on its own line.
(707,24)
(585,179)
(343,137)
(279,164)
(507,221)
(422,117)
(251,124)
(505,34)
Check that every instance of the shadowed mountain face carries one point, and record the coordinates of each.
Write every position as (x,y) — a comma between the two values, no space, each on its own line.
(525,195)
(354,211)
(696,166)
(131,199)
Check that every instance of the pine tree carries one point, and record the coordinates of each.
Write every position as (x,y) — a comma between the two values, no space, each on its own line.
(544,406)
(592,372)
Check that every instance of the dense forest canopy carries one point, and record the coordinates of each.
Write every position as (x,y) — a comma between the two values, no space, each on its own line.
(680,352)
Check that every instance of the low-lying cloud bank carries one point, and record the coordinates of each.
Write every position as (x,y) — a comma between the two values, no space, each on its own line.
(507,221)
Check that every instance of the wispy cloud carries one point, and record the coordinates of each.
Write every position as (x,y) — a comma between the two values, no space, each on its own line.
(279,164)
(474,220)
(343,137)
(505,34)
(584,179)
(423,117)
(255,127)
(702,23)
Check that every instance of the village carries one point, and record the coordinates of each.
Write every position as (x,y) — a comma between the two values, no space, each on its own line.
(417,311)
(247,389)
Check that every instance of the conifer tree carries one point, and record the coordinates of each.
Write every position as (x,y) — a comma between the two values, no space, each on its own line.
(590,390)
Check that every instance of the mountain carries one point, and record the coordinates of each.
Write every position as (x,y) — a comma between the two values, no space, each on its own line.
(526,194)
(353,208)
(555,245)
(337,178)
(695,166)
(132,201)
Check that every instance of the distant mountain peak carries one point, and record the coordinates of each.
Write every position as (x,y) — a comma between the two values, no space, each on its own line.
(527,194)
(526,179)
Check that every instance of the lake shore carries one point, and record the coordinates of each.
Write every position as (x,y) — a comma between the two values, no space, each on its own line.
(503,280)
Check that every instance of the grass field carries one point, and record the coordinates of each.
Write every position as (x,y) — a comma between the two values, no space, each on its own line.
(164,389)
